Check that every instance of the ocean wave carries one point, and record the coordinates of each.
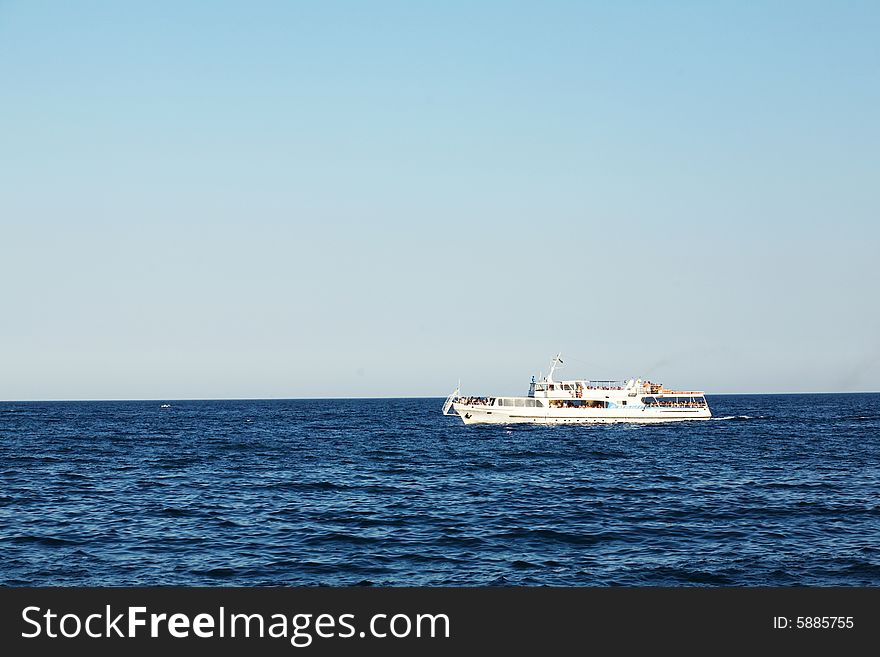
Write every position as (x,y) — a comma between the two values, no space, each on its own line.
(47,541)
(778,491)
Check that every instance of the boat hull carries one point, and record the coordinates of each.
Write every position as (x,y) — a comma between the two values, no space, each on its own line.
(478,414)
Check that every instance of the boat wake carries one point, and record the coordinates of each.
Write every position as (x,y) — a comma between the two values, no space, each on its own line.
(736,417)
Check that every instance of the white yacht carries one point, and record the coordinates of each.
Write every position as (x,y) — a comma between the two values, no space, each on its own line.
(582,401)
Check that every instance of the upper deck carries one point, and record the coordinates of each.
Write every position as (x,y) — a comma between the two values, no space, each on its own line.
(547,388)
(576,388)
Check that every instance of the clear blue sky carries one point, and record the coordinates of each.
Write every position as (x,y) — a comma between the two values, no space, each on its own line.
(286,199)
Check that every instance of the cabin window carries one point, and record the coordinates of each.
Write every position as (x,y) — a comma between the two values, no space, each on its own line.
(539,403)
(520,402)
(578,403)
(686,402)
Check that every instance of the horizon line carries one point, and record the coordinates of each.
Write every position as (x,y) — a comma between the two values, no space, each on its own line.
(186,399)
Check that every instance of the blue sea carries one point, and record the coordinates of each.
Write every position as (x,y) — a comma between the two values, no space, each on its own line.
(776,490)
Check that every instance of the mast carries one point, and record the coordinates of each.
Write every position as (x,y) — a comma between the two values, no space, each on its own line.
(557,360)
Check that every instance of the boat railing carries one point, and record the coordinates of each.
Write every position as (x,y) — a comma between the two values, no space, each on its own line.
(605,385)
(475,401)
(450,400)
(668,403)
(591,384)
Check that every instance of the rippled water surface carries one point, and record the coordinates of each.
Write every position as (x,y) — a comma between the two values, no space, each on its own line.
(778,490)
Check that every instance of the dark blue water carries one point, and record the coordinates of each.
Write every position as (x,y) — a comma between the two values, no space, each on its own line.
(780,490)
